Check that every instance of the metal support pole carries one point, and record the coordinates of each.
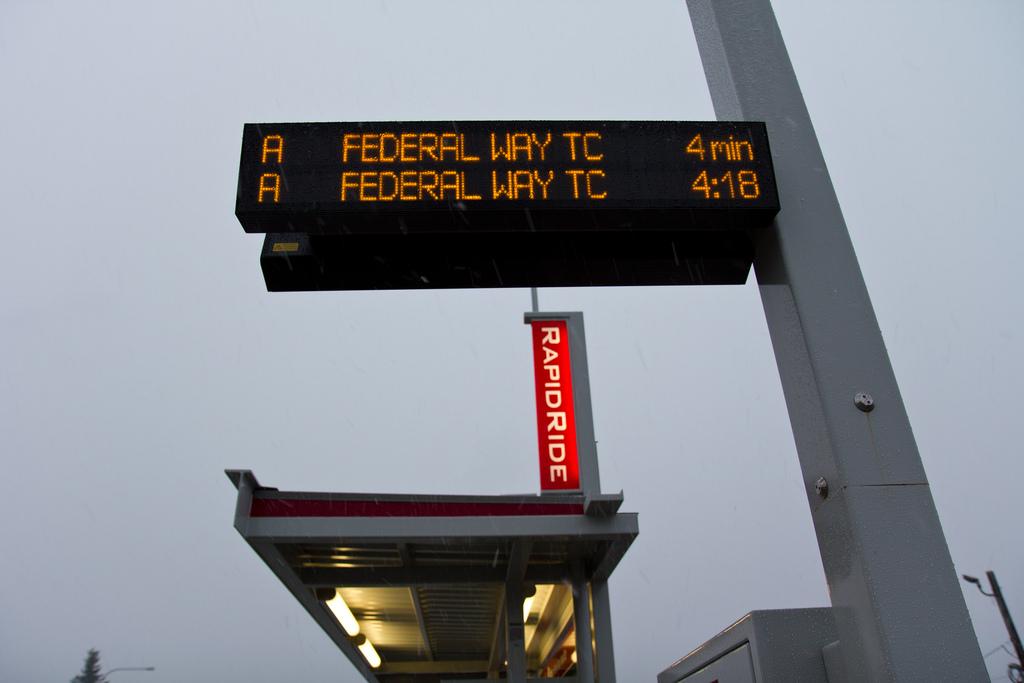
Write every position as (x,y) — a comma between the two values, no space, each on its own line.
(516,648)
(603,631)
(581,618)
(899,612)
(1011,629)
(498,640)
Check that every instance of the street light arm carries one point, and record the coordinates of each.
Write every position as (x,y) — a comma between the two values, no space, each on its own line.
(977,582)
(129,668)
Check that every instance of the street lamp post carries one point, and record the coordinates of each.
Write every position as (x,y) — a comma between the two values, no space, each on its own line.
(1011,629)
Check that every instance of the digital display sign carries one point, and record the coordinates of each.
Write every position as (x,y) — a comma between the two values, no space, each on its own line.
(504,176)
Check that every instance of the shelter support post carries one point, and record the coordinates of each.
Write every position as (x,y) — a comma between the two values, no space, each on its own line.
(516,647)
(603,630)
(515,593)
(498,638)
(899,612)
(581,618)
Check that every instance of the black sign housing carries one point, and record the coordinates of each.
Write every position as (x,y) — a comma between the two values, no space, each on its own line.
(505,203)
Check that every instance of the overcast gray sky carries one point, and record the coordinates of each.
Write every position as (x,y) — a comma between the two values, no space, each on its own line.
(142,354)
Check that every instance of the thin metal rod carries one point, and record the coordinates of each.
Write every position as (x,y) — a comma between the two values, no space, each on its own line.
(533,299)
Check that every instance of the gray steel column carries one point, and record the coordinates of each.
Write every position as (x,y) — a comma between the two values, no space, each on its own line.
(581,619)
(516,648)
(603,631)
(899,612)
(498,639)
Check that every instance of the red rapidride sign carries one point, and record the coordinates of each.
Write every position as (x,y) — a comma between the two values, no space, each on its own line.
(556,420)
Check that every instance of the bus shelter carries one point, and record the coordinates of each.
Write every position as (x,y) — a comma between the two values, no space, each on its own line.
(433,588)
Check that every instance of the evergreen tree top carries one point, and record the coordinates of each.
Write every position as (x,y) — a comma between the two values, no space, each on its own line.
(91,671)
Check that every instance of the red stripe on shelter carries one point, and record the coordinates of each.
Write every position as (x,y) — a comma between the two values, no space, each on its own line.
(281,507)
